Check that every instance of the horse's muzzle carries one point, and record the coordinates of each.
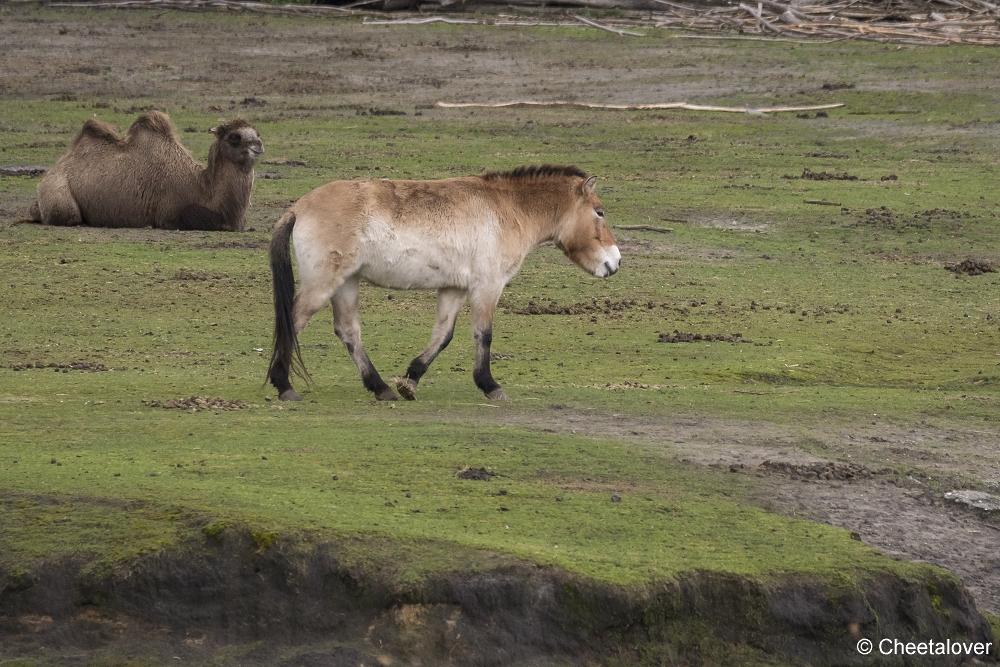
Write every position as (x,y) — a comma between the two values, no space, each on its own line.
(610,265)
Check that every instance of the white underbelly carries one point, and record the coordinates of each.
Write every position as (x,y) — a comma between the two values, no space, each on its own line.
(409,268)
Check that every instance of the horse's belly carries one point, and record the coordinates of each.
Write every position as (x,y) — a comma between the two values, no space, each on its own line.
(413,273)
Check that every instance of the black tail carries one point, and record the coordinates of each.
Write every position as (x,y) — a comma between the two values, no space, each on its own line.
(285,352)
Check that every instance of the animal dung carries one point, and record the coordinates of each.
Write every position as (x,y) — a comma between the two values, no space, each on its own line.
(198,403)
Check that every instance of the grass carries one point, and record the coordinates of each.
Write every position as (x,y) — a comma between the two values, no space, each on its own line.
(846,312)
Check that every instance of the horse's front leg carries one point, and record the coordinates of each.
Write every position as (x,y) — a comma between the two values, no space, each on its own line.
(449,303)
(483,305)
(347,326)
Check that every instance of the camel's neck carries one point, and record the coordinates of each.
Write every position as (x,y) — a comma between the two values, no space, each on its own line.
(226,189)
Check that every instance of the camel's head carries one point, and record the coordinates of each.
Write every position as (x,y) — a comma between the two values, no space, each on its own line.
(237,142)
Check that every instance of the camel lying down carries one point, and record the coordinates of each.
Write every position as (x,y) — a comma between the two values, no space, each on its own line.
(148,179)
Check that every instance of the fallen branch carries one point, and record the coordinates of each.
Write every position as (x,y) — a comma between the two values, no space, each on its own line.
(632,107)
(821,202)
(208,5)
(760,17)
(430,19)
(595,24)
(645,228)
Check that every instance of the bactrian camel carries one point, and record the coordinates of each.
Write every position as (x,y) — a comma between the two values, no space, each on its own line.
(148,179)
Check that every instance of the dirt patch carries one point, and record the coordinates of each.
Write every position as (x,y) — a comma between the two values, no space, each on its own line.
(87,366)
(552,308)
(690,337)
(30,171)
(198,404)
(201,276)
(477,474)
(809,175)
(971,267)
(242,243)
(825,470)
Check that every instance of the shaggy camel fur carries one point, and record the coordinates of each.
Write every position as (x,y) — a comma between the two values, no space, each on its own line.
(148,179)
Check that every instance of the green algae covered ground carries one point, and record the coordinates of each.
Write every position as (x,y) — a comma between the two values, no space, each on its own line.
(845,313)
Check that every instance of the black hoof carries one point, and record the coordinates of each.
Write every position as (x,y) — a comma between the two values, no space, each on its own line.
(387,394)
(289,395)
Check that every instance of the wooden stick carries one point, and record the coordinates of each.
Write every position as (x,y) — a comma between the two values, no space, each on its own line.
(645,228)
(631,107)
(429,19)
(595,24)
(760,17)
(821,202)
(676,6)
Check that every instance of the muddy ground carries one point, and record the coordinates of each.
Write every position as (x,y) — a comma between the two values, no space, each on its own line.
(198,59)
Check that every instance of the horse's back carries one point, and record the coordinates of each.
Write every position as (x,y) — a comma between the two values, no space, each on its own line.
(398,234)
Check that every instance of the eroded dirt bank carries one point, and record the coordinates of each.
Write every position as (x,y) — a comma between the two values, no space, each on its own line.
(229,601)
(896,504)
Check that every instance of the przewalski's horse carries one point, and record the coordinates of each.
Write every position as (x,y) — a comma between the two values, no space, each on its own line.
(464,237)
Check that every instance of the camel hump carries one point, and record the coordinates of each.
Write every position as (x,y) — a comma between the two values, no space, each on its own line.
(95,129)
(155,122)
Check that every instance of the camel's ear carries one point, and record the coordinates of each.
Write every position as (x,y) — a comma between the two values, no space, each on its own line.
(588,187)
(217,131)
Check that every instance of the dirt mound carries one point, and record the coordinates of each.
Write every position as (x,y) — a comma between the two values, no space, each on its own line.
(609,306)
(29,170)
(690,337)
(809,175)
(184,274)
(198,403)
(477,474)
(89,366)
(972,267)
(828,470)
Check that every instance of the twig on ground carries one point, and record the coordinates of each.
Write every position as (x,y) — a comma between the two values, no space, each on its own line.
(595,24)
(632,107)
(645,228)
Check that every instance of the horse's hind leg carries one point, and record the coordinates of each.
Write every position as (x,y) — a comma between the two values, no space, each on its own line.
(483,304)
(449,302)
(347,326)
(307,303)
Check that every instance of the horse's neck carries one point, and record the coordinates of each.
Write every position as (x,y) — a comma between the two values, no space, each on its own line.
(547,214)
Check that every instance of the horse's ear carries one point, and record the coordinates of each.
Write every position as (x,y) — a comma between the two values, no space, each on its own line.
(588,187)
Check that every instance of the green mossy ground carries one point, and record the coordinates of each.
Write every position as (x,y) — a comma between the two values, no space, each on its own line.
(846,311)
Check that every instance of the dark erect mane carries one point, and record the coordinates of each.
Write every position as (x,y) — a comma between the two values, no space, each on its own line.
(537,171)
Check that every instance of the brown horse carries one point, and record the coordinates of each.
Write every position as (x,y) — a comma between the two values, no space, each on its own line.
(464,237)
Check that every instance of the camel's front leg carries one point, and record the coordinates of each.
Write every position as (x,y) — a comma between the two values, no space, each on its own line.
(483,304)
(449,302)
(56,205)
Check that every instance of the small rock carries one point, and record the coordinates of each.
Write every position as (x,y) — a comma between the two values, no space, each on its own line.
(978,499)
(615,498)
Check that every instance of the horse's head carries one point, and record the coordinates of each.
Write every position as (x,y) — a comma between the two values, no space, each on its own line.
(584,235)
